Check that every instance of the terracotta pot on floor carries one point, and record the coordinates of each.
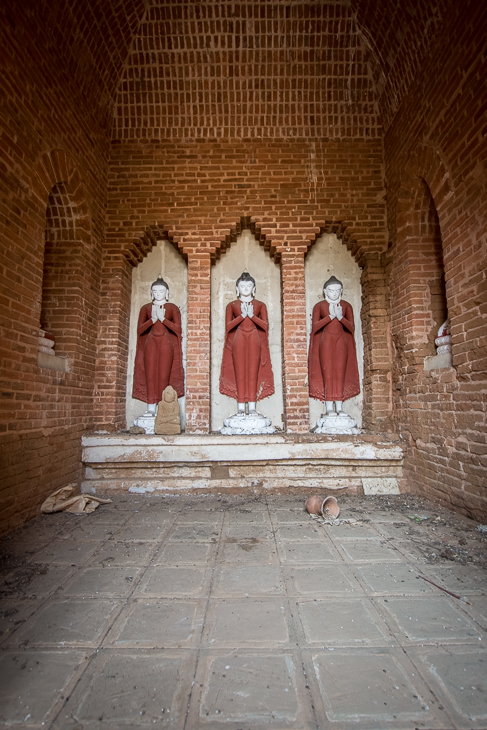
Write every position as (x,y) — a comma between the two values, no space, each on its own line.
(313,505)
(330,505)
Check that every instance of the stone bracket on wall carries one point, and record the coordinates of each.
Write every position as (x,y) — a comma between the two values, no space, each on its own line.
(239,464)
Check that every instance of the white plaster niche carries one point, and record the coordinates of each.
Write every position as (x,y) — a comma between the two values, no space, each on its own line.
(329,257)
(245,254)
(166,261)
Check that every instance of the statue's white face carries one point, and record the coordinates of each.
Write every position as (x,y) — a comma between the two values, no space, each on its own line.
(245,288)
(159,293)
(334,292)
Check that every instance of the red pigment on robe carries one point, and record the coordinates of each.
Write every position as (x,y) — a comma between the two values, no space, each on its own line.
(332,360)
(159,356)
(246,372)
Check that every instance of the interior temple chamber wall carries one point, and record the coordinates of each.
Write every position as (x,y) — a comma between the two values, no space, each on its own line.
(390,172)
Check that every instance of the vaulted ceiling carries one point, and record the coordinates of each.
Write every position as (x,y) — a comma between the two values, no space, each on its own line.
(158,68)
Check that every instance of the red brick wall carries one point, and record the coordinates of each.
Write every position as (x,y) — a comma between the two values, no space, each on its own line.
(438,142)
(289,192)
(50,137)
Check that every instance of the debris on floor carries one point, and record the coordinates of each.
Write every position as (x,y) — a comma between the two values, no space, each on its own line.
(65,500)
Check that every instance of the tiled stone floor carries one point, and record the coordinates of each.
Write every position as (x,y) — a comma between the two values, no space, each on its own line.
(239,613)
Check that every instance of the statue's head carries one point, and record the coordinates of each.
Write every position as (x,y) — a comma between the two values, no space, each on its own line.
(245,285)
(159,290)
(332,289)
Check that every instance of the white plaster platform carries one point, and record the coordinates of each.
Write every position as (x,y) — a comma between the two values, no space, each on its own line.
(215,463)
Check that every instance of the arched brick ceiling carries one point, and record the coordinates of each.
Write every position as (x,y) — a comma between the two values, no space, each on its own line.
(279,68)
(398,34)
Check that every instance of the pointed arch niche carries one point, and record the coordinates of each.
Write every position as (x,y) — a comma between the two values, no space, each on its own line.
(163,260)
(330,257)
(245,255)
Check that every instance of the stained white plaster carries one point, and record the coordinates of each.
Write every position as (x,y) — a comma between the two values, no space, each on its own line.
(330,257)
(245,255)
(163,261)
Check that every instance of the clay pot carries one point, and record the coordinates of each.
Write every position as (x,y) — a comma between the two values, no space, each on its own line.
(330,505)
(313,505)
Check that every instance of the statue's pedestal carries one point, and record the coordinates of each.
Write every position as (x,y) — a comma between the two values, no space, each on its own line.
(146,422)
(337,424)
(243,424)
(213,463)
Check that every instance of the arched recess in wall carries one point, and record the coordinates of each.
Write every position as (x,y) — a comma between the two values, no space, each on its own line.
(418,292)
(329,256)
(68,294)
(245,250)
(163,258)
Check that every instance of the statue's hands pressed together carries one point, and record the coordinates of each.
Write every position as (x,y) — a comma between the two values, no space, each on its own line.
(158,312)
(244,308)
(338,311)
(250,309)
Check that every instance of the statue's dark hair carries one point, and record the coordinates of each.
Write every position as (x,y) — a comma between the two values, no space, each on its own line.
(245,277)
(332,280)
(159,282)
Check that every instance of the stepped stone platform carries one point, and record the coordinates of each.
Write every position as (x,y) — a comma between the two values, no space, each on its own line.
(212,463)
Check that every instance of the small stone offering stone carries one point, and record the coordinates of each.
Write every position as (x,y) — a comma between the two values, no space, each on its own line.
(168,419)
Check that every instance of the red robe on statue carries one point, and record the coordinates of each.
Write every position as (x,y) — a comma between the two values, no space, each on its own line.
(159,356)
(246,372)
(332,360)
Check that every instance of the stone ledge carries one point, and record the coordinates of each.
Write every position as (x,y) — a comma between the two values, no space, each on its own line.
(193,463)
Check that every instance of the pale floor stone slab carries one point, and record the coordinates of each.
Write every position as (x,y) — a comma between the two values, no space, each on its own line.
(159,582)
(248,580)
(245,623)
(122,553)
(65,552)
(461,579)
(49,673)
(393,579)
(370,688)
(322,580)
(158,624)
(249,550)
(370,551)
(249,691)
(102,582)
(45,580)
(132,689)
(69,622)
(461,677)
(341,623)
(305,531)
(197,532)
(146,532)
(246,531)
(184,553)
(311,552)
(431,620)
(346,531)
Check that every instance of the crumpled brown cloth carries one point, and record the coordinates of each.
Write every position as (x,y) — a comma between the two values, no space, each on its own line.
(65,500)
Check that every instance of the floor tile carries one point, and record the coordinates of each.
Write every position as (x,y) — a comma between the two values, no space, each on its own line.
(370,689)
(248,691)
(322,580)
(393,578)
(114,554)
(102,582)
(158,624)
(341,623)
(161,582)
(33,683)
(431,619)
(250,550)
(70,622)
(185,553)
(311,552)
(132,689)
(369,551)
(248,580)
(248,622)
(461,678)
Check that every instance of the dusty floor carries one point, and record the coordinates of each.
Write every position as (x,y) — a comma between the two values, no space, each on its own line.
(240,613)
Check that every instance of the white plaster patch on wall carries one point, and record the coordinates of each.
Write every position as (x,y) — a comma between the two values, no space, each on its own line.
(330,257)
(245,255)
(165,260)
